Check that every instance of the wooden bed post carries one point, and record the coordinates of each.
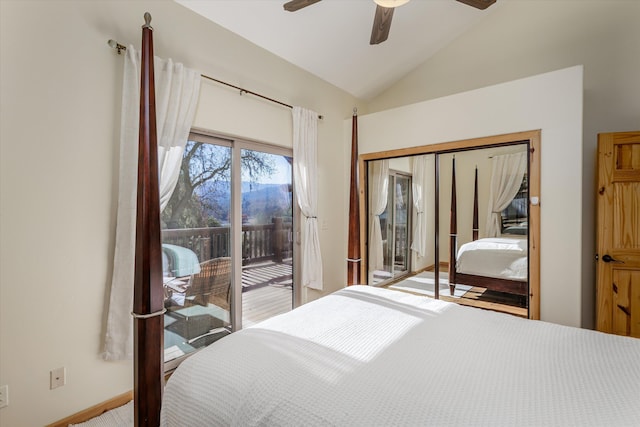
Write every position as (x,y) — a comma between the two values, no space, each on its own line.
(453,231)
(436,224)
(353,244)
(475,207)
(148,304)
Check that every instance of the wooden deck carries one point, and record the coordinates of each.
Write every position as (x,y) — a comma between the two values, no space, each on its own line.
(267,273)
(267,290)
(264,302)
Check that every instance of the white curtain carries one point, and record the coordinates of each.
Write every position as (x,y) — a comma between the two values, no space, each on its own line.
(378,203)
(305,176)
(418,183)
(507,173)
(177,90)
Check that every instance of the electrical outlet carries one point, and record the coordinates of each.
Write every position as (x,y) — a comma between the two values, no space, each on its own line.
(58,378)
(4,396)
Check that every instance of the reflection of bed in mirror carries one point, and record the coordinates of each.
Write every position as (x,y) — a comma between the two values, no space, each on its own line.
(495,263)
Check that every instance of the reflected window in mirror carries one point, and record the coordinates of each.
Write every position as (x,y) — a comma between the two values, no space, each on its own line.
(515,216)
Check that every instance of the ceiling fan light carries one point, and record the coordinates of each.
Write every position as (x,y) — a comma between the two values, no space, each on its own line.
(390,3)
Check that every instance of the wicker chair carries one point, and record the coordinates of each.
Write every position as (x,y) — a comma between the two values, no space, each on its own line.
(211,286)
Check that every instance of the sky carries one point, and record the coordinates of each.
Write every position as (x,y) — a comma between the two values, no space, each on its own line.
(283,174)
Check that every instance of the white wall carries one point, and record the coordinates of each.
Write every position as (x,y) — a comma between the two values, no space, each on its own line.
(60,116)
(526,37)
(551,102)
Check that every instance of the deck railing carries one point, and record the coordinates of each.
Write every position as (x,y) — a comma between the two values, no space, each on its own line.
(259,242)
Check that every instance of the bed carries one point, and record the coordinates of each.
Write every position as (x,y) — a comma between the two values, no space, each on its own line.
(497,257)
(498,264)
(366,356)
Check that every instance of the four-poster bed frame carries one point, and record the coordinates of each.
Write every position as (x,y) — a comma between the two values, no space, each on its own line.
(420,345)
(517,287)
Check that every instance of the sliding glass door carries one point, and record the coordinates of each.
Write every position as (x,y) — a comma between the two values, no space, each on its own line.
(267,235)
(196,250)
(227,240)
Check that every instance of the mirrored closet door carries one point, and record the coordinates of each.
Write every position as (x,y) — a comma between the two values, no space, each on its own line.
(454,221)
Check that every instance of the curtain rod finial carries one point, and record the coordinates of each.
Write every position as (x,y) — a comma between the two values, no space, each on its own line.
(355,111)
(147,20)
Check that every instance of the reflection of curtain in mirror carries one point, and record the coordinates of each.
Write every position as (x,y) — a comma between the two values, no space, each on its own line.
(378,204)
(399,197)
(506,177)
(419,168)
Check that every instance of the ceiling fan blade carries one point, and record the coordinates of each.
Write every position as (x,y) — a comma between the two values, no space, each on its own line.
(480,4)
(381,24)
(294,5)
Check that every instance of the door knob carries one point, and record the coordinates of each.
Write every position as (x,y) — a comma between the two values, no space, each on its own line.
(609,258)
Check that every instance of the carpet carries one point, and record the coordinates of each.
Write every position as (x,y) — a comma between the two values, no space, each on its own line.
(424,284)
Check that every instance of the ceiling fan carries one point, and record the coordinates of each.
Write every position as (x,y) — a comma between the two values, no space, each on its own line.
(384,13)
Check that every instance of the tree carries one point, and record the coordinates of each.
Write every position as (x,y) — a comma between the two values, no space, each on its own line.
(204,172)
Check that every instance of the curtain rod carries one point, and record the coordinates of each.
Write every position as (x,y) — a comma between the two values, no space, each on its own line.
(117,46)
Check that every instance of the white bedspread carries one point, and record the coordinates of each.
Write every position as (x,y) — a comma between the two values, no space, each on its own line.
(500,257)
(365,356)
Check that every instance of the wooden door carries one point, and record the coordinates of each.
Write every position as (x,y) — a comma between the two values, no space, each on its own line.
(618,238)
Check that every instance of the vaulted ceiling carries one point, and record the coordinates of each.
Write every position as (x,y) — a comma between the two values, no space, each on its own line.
(330,38)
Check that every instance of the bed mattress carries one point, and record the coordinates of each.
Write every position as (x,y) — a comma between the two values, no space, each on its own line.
(499,257)
(365,356)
